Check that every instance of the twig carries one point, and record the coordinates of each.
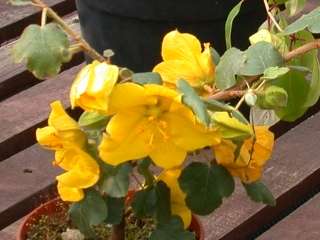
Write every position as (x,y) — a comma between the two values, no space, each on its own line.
(237,91)
(302,50)
(86,47)
(44,16)
(271,17)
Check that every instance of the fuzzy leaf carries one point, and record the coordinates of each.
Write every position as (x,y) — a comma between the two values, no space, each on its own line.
(260,56)
(228,26)
(115,209)
(205,186)
(258,192)
(192,100)
(230,64)
(90,211)
(115,181)
(147,78)
(230,127)
(275,72)
(44,49)
(309,21)
(172,230)
(93,120)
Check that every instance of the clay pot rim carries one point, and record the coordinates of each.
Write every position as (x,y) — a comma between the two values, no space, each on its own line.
(49,206)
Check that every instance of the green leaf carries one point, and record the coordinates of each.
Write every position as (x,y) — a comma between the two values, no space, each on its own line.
(230,64)
(144,202)
(230,127)
(205,186)
(303,89)
(295,6)
(273,97)
(192,100)
(20,2)
(93,120)
(43,48)
(115,209)
(172,230)
(143,169)
(163,209)
(309,21)
(147,78)
(229,23)
(92,210)
(215,56)
(258,192)
(260,56)
(274,72)
(216,106)
(115,181)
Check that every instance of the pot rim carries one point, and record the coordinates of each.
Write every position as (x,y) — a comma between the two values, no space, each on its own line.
(50,206)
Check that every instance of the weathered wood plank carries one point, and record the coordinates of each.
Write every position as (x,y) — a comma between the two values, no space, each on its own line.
(15,77)
(14,19)
(28,110)
(26,181)
(10,232)
(292,174)
(302,224)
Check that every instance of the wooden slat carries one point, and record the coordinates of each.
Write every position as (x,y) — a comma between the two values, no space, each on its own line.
(26,181)
(15,77)
(292,174)
(14,19)
(28,110)
(302,224)
(10,232)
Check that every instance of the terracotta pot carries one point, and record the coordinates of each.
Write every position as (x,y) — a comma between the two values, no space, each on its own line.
(54,205)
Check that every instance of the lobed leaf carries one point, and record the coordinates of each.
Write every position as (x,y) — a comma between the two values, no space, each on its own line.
(205,186)
(92,210)
(44,49)
(115,209)
(230,64)
(309,21)
(260,57)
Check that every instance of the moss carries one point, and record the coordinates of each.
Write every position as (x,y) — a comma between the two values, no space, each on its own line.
(51,227)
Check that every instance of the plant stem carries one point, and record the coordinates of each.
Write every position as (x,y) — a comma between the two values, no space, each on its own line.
(118,231)
(86,47)
(237,91)
(271,17)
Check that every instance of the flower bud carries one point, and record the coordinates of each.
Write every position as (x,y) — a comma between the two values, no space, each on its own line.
(93,85)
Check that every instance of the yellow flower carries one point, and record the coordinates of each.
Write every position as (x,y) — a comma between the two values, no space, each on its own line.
(248,166)
(177,196)
(183,59)
(151,121)
(82,172)
(93,85)
(62,130)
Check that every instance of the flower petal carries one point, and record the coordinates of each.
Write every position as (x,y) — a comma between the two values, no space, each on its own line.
(134,145)
(188,134)
(47,137)
(127,95)
(122,123)
(59,119)
(177,196)
(167,155)
(173,70)
(69,194)
(180,46)
(84,174)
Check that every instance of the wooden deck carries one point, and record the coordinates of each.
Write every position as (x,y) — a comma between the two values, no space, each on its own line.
(27,176)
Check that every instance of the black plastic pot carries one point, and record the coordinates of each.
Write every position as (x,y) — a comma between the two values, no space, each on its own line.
(134,28)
